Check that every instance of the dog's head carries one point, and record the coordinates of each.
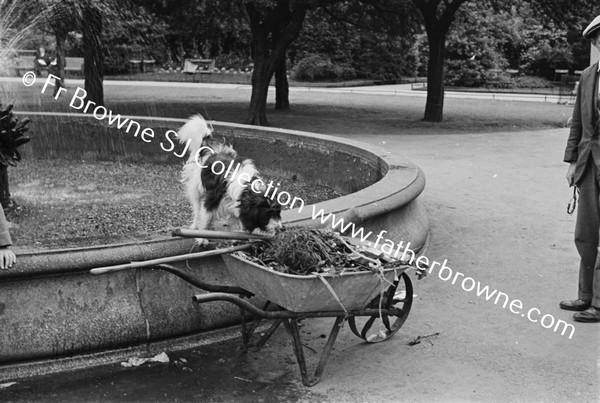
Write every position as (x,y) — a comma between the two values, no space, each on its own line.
(256,210)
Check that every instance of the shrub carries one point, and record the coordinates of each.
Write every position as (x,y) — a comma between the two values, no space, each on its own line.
(12,136)
(233,61)
(500,80)
(318,67)
(117,60)
(137,34)
(531,82)
(385,59)
(543,59)
(503,80)
(462,73)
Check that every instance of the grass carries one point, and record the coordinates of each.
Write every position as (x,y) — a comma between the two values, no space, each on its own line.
(229,78)
(322,112)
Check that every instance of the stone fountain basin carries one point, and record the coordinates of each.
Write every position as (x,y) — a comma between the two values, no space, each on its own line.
(52,310)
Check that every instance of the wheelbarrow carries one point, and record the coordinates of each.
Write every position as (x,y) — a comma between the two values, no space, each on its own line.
(375,305)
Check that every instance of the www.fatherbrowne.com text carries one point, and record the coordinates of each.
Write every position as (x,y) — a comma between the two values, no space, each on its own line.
(387,246)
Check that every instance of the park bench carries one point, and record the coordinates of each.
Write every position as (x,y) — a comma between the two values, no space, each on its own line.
(562,74)
(202,66)
(142,65)
(74,64)
(24,62)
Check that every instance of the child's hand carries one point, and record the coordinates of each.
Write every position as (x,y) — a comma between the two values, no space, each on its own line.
(7,258)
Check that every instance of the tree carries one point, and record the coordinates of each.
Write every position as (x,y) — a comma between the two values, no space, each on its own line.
(90,20)
(437,16)
(86,17)
(136,34)
(485,39)
(370,39)
(571,16)
(274,26)
(217,27)
(282,87)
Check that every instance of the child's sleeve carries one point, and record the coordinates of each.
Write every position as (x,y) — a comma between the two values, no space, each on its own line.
(4,234)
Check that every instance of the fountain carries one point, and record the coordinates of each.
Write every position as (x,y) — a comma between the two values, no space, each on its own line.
(55,315)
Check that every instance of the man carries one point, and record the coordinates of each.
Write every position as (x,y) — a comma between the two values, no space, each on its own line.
(41,61)
(583,154)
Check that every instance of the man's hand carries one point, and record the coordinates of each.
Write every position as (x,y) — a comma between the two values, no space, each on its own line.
(571,173)
(7,258)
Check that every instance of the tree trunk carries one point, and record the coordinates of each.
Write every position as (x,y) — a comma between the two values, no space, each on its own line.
(282,88)
(92,56)
(434,108)
(437,26)
(269,44)
(61,37)
(261,78)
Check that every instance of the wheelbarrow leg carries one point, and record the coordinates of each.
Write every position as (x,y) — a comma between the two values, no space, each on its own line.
(292,326)
(246,334)
(248,331)
(261,342)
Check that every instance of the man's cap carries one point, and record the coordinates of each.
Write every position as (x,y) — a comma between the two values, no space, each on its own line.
(592,28)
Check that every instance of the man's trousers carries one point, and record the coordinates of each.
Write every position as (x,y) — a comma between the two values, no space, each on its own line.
(587,229)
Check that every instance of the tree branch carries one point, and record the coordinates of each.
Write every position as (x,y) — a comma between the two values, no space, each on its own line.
(253,15)
(448,15)
(336,17)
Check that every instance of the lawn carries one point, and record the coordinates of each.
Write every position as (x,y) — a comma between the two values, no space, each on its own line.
(322,112)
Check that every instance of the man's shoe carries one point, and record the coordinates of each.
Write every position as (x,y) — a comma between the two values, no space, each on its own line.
(591,314)
(575,305)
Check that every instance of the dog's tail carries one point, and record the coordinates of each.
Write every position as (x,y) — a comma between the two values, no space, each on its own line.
(195,131)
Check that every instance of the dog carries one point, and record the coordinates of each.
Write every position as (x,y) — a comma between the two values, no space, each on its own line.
(239,196)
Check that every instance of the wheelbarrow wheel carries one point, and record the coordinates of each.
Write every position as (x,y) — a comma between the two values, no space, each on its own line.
(377,328)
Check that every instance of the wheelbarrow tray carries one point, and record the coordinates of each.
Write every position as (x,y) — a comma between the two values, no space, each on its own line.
(355,290)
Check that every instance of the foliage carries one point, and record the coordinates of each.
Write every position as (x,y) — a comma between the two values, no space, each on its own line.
(531,82)
(235,60)
(375,44)
(481,42)
(505,80)
(201,28)
(570,17)
(318,67)
(541,60)
(136,34)
(12,136)
(494,35)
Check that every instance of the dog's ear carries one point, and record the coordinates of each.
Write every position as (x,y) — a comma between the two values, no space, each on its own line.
(274,206)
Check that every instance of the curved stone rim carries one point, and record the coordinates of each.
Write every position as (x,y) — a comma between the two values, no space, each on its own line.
(401,183)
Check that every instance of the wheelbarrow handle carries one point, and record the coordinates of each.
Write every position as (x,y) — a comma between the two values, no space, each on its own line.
(154,262)
(196,233)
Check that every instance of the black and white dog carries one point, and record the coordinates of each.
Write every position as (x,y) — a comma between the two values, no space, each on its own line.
(219,183)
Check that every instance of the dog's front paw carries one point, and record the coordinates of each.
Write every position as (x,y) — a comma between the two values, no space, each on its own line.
(202,241)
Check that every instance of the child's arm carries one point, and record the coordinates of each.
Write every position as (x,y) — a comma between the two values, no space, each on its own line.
(7,258)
